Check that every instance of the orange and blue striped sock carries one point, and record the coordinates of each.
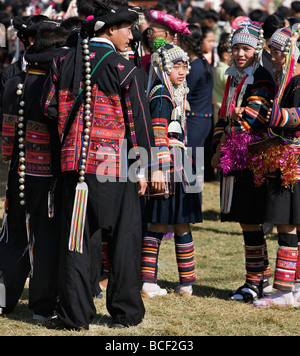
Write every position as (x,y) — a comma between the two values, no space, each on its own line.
(150,251)
(184,247)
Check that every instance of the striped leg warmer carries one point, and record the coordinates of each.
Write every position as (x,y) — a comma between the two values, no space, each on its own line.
(150,251)
(256,257)
(184,248)
(267,268)
(287,256)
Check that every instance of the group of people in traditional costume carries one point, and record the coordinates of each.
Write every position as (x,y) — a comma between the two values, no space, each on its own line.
(256,144)
(86,140)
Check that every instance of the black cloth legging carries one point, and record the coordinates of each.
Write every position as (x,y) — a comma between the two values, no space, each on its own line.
(14,254)
(114,214)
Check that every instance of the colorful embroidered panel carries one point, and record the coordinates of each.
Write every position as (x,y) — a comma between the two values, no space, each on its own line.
(106,136)
(37,145)
(8,136)
(38,149)
(285,118)
(160,129)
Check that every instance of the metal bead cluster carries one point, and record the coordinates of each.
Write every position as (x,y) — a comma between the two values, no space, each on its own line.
(286,49)
(87,112)
(168,58)
(21,139)
(261,42)
(230,40)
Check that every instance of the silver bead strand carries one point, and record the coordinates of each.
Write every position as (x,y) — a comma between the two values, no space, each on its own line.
(21,140)
(87,112)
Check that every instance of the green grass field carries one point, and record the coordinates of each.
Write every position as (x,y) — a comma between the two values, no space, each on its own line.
(220,268)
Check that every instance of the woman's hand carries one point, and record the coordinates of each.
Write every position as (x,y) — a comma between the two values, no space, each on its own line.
(143,186)
(158,181)
(269,114)
(215,161)
(237,113)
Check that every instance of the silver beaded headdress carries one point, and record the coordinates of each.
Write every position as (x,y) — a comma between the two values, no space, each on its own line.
(283,38)
(163,59)
(249,34)
(169,55)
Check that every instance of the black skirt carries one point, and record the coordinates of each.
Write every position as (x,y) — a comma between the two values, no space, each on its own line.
(248,201)
(176,209)
(282,204)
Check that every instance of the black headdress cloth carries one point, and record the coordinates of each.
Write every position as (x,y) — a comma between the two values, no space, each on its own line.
(50,38)
(27,26)
(108,18)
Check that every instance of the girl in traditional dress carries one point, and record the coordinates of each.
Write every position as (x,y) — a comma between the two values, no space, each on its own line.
(283,193)
(242,120)
(167,98)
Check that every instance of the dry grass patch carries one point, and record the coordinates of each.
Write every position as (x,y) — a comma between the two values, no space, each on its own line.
(219,255)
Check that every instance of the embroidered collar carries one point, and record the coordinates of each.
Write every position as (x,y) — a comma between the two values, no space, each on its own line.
(232,71)
(36,71)
(103,40)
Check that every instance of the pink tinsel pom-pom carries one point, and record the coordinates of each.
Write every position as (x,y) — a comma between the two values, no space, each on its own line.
(235,151)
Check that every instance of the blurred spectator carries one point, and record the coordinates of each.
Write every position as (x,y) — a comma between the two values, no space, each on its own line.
(208,45)
(258,15)
(85,8)
(284,12)
(194,15)
(235,12)
(200,83)
(226,8)
(162,25)
(197,21)
(168,7)
(295,9)
(219,73)
(191,12)
(271,24)
(211,18)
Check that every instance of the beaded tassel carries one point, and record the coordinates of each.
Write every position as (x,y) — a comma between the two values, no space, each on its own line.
(22,168)
(21,139)
(81,195)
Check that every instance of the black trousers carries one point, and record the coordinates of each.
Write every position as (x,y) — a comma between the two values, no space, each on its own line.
(114,215)
(14,249)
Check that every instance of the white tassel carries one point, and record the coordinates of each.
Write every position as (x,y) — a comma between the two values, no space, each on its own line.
(78,218)
(176,114)
(4,230)
(30,240)
(175,127)
(2,296)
